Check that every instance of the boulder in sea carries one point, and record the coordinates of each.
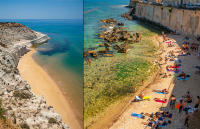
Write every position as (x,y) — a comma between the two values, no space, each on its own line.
(93,53)
(85,54)
(108,55)
(116,47)
(101,45)
(107,45)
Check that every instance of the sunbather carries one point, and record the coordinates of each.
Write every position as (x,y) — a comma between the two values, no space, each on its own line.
(171,59)
(187,119)
(150,123)
(182,75)
(188,97)
(139,97)
(164,91)
(197,102)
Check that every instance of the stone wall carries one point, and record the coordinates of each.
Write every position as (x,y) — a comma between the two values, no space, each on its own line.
(182,1)
(174,3)
(180,20)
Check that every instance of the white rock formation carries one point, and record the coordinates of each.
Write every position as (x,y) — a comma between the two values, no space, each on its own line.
(23,106)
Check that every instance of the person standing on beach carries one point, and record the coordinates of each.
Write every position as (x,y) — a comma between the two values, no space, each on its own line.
(180,105)
(197,102)
(164,36)
(172,101)
(88,61)
(186,123)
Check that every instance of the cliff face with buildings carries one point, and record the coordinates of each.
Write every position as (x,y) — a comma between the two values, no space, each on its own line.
(172,2)
(176,2)
(23,107)
(180,20)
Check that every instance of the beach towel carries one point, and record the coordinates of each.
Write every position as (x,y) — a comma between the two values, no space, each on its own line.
(172,56)
(161,92)
(137,98)
(184,54)
(164,125)
(168,41)
(138,115)
(158,91)
(174,66)
(146,97)
(160,100)
(178,61)
(186,78)
(170,70)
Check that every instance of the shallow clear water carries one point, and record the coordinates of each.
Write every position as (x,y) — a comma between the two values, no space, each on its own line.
(95,10)
(61,56)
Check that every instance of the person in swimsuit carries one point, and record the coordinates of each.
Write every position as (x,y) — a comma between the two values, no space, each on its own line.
(186,123)
(141,95)
(181,105)
(172,101)
(182,75)
(197,102)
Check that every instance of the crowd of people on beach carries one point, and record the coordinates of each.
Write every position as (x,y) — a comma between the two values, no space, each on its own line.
(184,104)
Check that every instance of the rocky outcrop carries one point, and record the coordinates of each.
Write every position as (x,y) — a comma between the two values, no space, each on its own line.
(183,21)
(23,106)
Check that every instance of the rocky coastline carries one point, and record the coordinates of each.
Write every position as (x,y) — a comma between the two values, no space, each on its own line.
(23,107)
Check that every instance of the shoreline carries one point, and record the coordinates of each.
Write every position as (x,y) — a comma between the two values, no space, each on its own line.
(171,84)
(50,90)
(107,119)
(121,120)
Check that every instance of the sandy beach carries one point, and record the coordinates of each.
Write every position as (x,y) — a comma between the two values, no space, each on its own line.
(174,86)
(43,85)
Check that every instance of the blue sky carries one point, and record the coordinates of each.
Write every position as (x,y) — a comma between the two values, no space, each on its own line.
(41,9)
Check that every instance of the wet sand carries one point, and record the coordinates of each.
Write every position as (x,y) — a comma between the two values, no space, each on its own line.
(42,84)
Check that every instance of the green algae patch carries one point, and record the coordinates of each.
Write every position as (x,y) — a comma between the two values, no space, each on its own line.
(108,80)
(132,69)
(116,82)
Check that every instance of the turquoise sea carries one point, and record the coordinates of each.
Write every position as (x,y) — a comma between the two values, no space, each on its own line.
(95,10)
(62,56)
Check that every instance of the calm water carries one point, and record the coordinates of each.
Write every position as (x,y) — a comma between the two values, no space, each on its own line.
(61,56)
(95,10)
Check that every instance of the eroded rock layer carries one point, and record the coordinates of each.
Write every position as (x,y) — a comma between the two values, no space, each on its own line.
(23,106)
